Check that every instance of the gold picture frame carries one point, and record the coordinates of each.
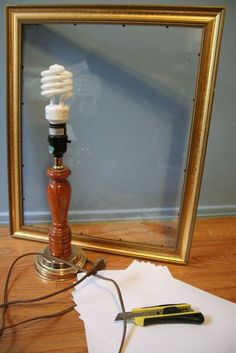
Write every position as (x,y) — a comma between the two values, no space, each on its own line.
(209,19)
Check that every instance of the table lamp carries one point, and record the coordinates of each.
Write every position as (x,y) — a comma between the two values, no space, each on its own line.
(57,85)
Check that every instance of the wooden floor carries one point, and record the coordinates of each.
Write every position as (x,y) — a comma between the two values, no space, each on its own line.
(211,267)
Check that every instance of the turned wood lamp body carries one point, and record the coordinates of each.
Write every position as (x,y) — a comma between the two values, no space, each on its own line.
(60,253)
(51,266)
(59,192)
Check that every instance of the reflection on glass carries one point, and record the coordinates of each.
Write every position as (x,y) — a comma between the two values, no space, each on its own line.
(130,123)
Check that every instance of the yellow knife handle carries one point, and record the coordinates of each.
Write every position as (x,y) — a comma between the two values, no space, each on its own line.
(194,317)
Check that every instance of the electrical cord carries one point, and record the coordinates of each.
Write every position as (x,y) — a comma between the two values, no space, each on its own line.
(49,316)
(97,266)
(6,304)
(25,301)
(122,307)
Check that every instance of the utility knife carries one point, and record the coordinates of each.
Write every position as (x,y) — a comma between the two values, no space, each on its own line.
(163,314)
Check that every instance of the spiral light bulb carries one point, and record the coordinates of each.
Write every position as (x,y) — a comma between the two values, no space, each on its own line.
(57,85)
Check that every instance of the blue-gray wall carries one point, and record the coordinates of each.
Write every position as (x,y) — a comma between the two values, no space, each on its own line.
(218,187)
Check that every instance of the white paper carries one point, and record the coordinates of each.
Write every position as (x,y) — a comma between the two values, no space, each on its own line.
(144,284)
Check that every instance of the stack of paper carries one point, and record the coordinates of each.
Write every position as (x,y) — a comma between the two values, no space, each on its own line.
(144,284)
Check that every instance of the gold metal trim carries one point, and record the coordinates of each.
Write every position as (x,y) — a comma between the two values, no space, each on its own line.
(210,19)
(58,163)
(55,270)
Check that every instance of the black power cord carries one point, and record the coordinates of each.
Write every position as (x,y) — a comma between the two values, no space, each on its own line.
(97,266)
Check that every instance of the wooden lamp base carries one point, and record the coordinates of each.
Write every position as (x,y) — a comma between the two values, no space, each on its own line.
(59,234)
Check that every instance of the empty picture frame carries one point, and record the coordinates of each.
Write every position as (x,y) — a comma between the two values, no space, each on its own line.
(144,79)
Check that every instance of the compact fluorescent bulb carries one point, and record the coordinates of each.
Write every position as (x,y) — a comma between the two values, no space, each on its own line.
(57,85)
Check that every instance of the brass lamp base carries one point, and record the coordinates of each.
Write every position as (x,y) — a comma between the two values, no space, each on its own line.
(55,270)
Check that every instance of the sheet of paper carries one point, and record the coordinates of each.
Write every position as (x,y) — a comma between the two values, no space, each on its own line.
(144,284)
